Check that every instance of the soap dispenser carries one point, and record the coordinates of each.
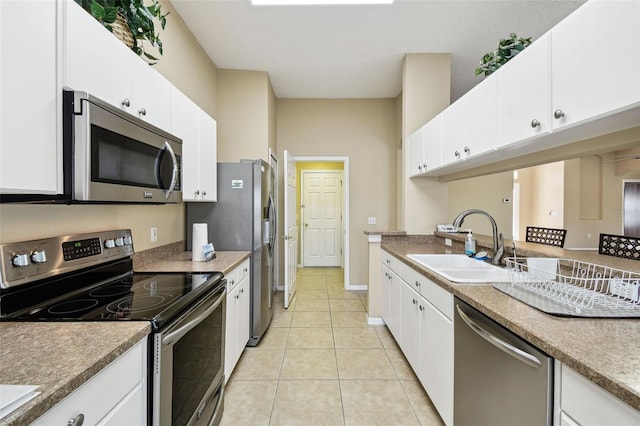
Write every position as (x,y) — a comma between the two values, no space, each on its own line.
(470,245)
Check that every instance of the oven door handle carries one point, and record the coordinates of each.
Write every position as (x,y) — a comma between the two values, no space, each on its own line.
(177,334)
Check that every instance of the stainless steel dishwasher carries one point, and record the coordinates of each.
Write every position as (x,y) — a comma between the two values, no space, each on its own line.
(499,379)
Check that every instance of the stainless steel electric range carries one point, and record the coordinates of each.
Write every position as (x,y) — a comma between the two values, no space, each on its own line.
(89,277)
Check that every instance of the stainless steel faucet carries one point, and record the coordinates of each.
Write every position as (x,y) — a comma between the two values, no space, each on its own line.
(498,248)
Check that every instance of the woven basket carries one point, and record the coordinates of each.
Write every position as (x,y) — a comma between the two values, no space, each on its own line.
(121,30)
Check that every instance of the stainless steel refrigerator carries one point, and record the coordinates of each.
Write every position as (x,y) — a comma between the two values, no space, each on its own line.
(244,218)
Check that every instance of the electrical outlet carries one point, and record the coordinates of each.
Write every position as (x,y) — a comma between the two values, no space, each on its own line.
(154,234)
(371,220)
(447,242)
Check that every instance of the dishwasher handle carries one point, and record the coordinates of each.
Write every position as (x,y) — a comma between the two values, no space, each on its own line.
(519,354)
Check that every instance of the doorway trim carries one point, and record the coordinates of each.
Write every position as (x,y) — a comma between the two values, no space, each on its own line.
(345,209)
(302,194)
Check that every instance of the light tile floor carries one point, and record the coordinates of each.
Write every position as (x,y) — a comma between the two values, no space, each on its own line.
(321,364)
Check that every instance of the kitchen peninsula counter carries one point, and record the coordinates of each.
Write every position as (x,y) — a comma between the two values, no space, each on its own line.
(603,350)
(59,357)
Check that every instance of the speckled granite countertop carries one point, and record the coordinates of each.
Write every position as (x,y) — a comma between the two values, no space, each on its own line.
(603,350)
(59,357)
(224,262)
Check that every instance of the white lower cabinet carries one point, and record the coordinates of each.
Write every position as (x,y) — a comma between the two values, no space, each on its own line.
(238,311)
(116,396)
(419,314)
(583,403)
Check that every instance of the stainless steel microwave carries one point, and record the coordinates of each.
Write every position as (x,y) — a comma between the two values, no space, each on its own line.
(114,157)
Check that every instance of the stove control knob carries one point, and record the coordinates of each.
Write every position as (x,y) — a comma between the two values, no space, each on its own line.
(127,240)
(119,242)
(20,260)
(109,243)
(39,256)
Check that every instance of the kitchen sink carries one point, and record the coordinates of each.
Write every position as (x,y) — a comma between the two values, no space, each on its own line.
(460,268)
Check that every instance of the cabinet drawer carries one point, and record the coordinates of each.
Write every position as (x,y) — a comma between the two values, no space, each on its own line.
(391,261)
(236,275)
(412,277)
(103,392)
(440,298)
(588,404)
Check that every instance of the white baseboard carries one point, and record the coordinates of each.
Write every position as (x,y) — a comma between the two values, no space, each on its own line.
(357,287)
(375,321)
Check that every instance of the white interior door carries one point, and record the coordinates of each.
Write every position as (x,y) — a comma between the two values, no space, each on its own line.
(290,229)
(322,217)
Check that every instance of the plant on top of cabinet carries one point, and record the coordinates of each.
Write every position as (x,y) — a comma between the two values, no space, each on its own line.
(507,49)
(131,21)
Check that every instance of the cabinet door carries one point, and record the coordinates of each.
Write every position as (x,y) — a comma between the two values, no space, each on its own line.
(184,124)
(30,154)
(432,144)
(436,358)
(479,111)
(207,157)
(385,283)
(244,313)
(453,122)
(410,320)
(95,61)
(416,163)
(150,95)
(524,94)
(231,333)
(596,61)
(395,306)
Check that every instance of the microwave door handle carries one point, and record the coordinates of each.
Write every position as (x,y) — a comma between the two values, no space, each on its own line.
(177,334)
(174,177)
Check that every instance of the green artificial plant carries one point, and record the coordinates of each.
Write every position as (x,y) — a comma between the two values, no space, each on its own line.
(139,18)
(507,49)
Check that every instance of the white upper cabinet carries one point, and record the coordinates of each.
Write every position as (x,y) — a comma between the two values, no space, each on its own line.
(30,139)
(524,94)
(416,153)
(95,61)
(199,148)
(432,144)
(469,124)
(596,62)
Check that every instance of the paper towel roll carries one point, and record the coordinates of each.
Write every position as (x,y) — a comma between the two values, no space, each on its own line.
(200,238)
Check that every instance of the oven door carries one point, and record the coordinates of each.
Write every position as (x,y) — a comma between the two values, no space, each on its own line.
(119,158)
(188,365)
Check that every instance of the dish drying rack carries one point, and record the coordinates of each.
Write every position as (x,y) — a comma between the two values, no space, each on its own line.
(570,287)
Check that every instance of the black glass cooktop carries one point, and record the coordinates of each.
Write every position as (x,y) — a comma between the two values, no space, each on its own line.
(155,297)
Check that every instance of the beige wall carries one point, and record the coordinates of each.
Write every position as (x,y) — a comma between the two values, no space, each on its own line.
(245,121)
(363,130)
(484,193)
(198,81)
(541,192)
(425,93)
(611,208)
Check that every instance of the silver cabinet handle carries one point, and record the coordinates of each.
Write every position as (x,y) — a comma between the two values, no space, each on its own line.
(424,166)
(126,102)
(421,308)
(197,192)
(142,111)
(457,153)
(415,301)
(558,114)
(76,421)
(506,347)
(204,192)
(535,123)
(467,150)
(419,168)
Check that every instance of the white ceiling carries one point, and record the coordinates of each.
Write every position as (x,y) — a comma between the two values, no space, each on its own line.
(357,51)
